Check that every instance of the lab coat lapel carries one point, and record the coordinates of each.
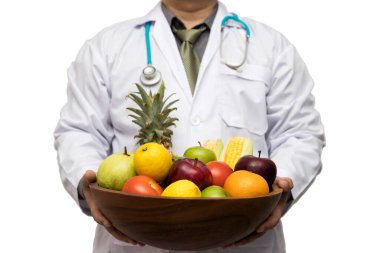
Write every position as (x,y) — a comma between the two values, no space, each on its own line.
(212,45)
(163,39)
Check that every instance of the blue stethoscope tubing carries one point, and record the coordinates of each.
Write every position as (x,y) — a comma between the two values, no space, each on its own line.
(147,42)
(151,76)
(235,18)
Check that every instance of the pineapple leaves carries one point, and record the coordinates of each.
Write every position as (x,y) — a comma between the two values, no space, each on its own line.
(140,113)
(169,122)
(136,99)
(166,113)
(161,92)
(153,115)
(170,104)
(145,97)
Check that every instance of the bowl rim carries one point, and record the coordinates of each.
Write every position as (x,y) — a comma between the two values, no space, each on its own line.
(275,191)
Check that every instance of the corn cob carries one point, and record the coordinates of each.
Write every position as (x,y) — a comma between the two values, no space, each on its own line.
(214,145)
(235,148)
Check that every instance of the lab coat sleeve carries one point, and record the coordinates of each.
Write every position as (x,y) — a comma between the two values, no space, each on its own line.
(84,132)
(296,135)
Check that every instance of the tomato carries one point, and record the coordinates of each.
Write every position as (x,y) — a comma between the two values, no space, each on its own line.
(142,185)
(219,171)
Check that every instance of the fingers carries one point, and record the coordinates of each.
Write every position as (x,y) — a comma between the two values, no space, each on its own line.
(88,178)
(286,184)
(99,217)
(122,237)
(271,221)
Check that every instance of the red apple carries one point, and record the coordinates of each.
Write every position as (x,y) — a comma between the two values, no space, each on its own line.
(219,171)
(191,169)
(142,185)
(262,166)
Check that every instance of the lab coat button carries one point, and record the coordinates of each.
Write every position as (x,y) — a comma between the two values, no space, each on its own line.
(196,121)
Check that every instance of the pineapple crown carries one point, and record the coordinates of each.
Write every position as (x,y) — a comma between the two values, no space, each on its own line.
(153,116)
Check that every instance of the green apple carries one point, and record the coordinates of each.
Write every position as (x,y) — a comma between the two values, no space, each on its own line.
(214,191)
(215,145)
(115,170)
(202,154)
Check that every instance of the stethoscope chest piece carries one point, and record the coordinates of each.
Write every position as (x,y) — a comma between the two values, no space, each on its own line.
(150,76)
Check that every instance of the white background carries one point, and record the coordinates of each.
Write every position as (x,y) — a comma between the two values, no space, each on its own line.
(339,41)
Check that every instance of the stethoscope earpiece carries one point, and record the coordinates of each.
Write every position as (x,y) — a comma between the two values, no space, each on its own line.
(150,76)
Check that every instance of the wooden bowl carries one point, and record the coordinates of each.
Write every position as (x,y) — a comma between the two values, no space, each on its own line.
(184,223)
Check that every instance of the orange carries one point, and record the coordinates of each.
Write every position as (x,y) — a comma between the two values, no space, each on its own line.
(182,188)
(244,183)
(153,160)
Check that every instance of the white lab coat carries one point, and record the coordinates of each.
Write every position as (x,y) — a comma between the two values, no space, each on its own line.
(267,100)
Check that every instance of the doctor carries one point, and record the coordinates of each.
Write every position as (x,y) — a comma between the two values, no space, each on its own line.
(248,81)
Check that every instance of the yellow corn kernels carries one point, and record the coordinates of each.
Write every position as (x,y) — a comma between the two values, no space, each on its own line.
(235,148)
(214,145)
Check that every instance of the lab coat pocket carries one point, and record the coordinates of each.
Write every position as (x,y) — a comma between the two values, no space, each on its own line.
(242,100)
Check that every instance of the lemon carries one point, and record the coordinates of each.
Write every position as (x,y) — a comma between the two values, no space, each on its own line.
(153,160)
(182,188)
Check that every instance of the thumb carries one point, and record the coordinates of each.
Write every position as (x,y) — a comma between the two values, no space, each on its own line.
(88,178)
(285,183)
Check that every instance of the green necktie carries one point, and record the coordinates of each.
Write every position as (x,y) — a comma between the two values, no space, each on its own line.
(189,57)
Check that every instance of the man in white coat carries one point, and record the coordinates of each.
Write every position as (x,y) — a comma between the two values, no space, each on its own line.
(267,99)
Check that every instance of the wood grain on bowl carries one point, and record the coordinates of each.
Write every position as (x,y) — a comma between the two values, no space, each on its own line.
(184,223)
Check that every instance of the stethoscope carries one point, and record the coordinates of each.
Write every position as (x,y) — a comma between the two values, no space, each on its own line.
(151,76)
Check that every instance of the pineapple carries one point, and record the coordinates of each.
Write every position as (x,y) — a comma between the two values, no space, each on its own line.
(152,116)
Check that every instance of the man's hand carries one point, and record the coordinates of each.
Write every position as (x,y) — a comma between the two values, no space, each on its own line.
(88,178)
(286,184)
